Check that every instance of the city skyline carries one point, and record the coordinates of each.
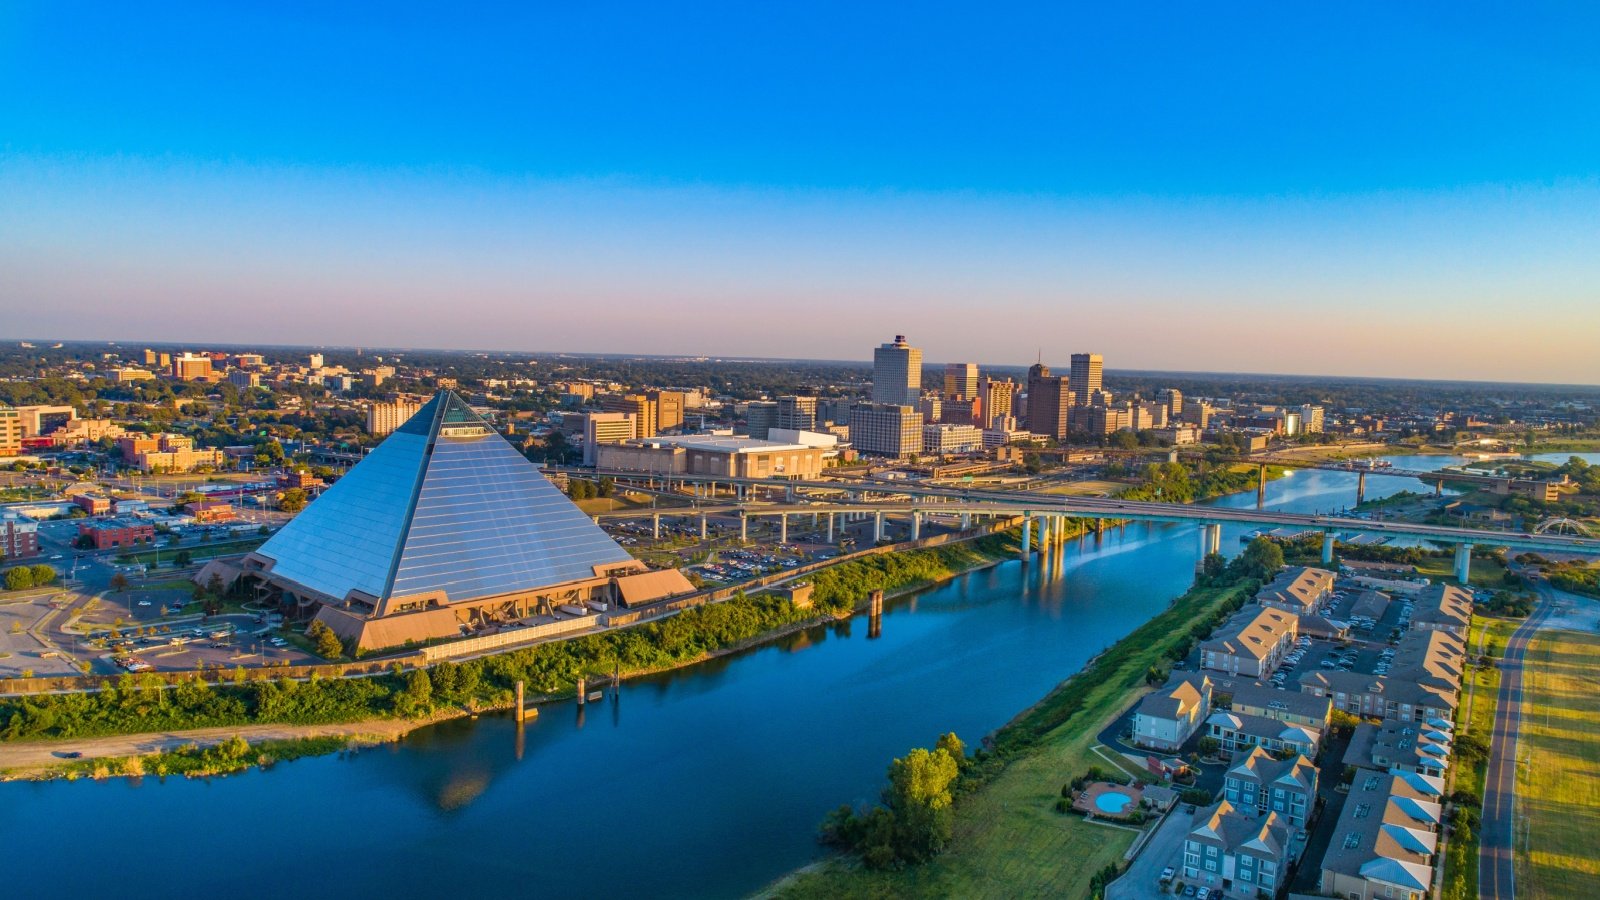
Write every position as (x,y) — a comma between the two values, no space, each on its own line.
(1217,194)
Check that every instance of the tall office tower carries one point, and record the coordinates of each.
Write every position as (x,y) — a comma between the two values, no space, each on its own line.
(606,428)
(642,407)
(1311,417)
(961,380)
(1173,398)
(384,418)
(315,360)
(1086,375)
(897,373)
(1050,398)
(835,410)
(150,357)
(669,408)
(885,429)
(761,416)
(190,367)
(797,413)
(1197,412)
(997,397)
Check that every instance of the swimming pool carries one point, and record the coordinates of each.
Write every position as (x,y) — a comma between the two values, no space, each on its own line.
(1112,802)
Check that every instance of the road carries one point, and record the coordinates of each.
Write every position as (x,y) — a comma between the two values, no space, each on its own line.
(1498,832)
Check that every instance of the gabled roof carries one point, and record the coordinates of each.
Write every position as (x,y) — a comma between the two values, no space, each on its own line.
(443,505)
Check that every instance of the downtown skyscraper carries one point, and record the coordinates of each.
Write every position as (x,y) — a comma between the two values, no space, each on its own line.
(897,373)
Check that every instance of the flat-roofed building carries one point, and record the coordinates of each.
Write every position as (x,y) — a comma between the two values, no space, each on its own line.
(760,416)
(191,367)
(38,421)
(19,536)
(884,429)
(10,431)
(244,379)
(602,428)
(999,400)
(129,374)
(104,534)
(384,417)
(796,413)
(641,407)
(726,455)
(945,438)
(1087,375)
(669,407)
(961,380)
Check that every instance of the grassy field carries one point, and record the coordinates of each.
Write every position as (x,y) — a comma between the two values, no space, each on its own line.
(1486,572)
(1088,488)
(1009,841)
(1475,715)
(1562,801)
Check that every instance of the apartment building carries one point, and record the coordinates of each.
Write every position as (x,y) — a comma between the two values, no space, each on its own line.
(1260,783)
(1226,846)
(1252,643)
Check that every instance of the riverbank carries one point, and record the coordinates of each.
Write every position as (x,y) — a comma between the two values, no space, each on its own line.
(145,754)
(89,724)
(1008,840)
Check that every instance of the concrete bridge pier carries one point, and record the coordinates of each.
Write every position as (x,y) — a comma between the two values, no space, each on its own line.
(1027,536)
(1327,548)
(830,528)
(1261,485)
(1172,455)
(702,526)
(783,528)
(966,521)
(1361,488)
(1438,488)
(788,494)
(916,526)
(1464,563)
(1210,540)
(744,528)
(877,527)
(655,528)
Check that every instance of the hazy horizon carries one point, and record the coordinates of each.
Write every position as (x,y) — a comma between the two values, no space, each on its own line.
(1405,195)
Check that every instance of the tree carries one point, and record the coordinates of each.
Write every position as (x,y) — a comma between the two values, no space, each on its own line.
(19,578)
(119,582)
(293,500)
(43,574)
(327,643)
(1261,558)
(184,559)
(416,697)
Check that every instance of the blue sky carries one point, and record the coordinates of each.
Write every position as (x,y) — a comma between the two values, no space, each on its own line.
(1362,189)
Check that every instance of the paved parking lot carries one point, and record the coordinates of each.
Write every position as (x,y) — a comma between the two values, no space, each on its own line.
(23,651)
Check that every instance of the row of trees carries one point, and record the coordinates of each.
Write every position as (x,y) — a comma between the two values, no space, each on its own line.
(19,578)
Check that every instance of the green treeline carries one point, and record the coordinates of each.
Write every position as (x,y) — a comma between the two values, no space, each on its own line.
(139,703)
(1174,483)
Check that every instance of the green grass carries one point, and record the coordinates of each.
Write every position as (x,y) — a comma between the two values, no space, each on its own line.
(1562,680)
(1009,841)
(1486,572)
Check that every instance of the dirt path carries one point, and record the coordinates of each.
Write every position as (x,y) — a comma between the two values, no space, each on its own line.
(23,756)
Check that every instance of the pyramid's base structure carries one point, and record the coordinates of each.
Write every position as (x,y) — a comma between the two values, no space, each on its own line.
(442,531)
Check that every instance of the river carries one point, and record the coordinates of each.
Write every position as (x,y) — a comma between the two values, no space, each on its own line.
(706,782)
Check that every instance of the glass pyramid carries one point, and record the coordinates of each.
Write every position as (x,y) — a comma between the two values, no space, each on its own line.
(443,504)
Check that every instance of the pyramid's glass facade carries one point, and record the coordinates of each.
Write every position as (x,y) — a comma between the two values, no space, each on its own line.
(444,504)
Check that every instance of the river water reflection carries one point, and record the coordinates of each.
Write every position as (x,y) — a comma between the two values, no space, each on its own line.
(708,782)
